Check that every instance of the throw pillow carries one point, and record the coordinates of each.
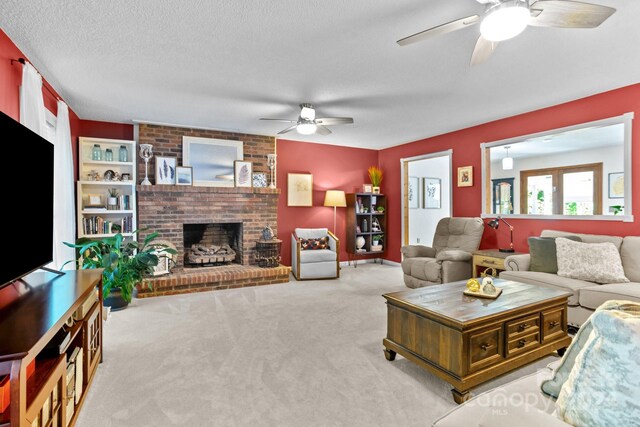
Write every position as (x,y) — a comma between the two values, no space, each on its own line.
(543,253)
(553,385)
(313,244)
(593,262)
(603,388)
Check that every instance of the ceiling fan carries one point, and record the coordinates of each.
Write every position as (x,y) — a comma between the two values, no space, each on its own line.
(307,124)
(505,19)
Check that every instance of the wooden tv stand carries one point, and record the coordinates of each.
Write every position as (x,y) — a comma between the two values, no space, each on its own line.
(32,311)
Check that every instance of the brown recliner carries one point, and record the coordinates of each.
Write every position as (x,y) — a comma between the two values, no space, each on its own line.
(449,259)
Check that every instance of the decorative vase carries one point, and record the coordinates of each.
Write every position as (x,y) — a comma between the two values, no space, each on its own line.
(488,287)
(267,233)
(360,242)
(112,203)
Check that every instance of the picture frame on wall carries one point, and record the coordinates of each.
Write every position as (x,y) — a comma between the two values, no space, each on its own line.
(299,189)
(413,192)
(367,188)
(465,176)
(184,175)
(212,160)
(242,173)
(432,193)
(165,170)
(616,185)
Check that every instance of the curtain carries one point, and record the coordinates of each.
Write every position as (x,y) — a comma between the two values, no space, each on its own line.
(31,100)
(63,205)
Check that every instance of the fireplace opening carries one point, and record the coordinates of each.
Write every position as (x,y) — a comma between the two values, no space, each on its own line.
(212,244)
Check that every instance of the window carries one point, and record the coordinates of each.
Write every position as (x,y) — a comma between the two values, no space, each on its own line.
(569,190)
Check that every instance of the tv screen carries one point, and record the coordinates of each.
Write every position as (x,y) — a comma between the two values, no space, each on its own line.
(27,200)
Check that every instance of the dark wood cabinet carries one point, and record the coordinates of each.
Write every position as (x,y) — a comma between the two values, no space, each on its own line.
(366,224)
(53,324)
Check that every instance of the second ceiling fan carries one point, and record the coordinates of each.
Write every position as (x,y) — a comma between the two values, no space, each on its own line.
(505,19)
(307,124)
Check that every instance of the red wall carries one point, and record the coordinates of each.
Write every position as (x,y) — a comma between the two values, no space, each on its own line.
(333,168)
(10,80)
(466,151)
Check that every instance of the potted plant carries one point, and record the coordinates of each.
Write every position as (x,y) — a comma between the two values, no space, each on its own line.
(377,239)
(380,209)
(125,264)
(375,175)
(112,200)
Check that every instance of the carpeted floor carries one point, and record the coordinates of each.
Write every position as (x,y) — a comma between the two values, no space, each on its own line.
(295,354)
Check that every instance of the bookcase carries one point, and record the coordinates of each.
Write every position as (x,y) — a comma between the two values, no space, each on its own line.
(366,219)
(100,215)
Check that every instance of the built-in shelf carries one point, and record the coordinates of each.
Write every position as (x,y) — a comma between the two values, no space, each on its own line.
(107,212)
(107,163)
(100,236)
(108,183)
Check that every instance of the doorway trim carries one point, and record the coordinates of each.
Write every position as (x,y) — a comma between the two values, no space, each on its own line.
(404,184)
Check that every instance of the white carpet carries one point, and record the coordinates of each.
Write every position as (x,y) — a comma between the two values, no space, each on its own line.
(295,354)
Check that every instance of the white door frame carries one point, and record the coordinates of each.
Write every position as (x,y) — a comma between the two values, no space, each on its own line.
(404,163)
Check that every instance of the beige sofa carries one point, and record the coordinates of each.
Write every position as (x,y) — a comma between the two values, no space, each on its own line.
(586,296)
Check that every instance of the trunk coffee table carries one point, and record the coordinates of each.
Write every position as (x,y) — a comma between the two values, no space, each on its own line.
(467,340)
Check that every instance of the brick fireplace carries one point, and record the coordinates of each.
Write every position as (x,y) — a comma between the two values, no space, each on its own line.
(181,214)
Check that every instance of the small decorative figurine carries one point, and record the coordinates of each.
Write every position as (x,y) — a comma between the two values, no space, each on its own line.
(488,286)
(267,233)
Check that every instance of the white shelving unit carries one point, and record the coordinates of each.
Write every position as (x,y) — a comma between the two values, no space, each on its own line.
(87,186)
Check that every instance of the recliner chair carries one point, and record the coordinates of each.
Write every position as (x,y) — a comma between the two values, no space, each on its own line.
(314,263)
(449,259)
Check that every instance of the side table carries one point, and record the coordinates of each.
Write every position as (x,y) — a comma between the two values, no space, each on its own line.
(268,253)
(490,258)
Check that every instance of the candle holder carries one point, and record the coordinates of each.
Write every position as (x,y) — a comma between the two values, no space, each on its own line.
(146,152)
(271,163)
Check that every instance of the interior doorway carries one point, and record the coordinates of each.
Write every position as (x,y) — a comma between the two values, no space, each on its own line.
(426,195)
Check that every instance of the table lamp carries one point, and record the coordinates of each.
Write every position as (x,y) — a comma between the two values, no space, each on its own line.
(495,223)
(336,199)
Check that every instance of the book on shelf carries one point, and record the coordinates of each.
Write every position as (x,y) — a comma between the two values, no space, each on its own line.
(98,225)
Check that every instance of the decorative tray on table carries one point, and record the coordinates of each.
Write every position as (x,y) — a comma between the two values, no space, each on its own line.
(481,294)
(484,290)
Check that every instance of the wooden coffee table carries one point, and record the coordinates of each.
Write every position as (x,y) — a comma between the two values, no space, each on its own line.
(467,341)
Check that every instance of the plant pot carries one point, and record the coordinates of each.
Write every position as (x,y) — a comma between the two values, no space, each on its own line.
(115,300)
(375,242)
(376,190)
(112,203)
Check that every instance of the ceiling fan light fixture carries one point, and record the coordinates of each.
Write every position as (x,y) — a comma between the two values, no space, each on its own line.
(307,112)
(306,128)
(505,20)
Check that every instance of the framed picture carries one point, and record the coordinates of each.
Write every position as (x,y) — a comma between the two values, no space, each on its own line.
(184,175)
(367,188)
(465,176)
(211,160)
(432,191)
(165,170)
(300,189)
(94,200)
(259,180)
(413,193)
(616,185)
(242,173)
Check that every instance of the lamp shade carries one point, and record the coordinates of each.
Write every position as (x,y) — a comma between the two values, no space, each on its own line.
(335,198)
(507,163)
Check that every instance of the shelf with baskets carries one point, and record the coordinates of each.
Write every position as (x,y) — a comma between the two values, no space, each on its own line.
(106,191)
(366,224)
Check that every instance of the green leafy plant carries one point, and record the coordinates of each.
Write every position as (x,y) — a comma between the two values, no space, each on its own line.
(616,209)
(380,209)
(378,237)
(375,175)
(125,263)
(113,192)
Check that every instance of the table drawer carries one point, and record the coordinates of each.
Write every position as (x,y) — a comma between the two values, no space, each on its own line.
(523,326)
(485,348)
(485,261)
(554,324)
(523,344)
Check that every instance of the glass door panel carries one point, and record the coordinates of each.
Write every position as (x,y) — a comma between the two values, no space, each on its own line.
(540,195)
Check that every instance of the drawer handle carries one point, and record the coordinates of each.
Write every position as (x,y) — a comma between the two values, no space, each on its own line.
(524,326)
(486,347)
(489,261)
(522,343)
(554,323)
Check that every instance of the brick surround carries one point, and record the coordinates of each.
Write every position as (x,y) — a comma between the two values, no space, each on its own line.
(165,208)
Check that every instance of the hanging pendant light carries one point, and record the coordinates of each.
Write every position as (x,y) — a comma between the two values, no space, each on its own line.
(507,162)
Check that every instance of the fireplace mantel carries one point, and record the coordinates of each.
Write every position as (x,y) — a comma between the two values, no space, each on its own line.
(195,189)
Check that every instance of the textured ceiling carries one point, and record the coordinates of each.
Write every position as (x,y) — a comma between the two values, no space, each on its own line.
(224,64)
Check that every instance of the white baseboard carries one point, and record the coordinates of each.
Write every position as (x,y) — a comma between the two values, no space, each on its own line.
(369,261)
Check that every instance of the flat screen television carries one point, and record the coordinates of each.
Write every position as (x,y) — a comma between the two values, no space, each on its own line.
(27,200)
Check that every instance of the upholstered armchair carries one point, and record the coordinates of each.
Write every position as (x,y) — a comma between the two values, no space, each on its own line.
(449,259)
(315,254)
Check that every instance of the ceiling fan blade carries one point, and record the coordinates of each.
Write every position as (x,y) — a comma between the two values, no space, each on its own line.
(289,129)
(569,14)
(282,120)
(330,121)
(483,50)
(440,29)
(323,130)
